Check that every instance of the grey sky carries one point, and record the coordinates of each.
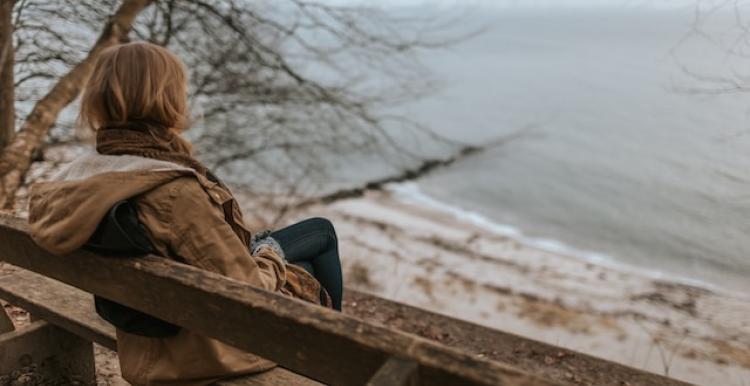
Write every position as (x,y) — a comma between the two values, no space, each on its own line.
(529,3)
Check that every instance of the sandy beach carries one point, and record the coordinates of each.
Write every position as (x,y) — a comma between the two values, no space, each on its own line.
(434,261)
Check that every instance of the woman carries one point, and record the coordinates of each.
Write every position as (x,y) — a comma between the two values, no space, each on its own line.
(136,101)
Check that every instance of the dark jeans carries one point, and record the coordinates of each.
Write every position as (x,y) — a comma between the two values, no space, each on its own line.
(312,245)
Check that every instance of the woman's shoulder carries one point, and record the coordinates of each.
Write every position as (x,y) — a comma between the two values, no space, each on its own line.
(170,207)
(190,195)
(176,192)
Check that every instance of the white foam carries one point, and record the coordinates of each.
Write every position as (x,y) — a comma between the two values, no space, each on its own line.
(410,193)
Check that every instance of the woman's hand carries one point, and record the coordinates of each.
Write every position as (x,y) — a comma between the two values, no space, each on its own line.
(264,238)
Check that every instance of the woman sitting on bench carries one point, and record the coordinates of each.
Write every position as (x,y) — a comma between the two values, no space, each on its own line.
(136,102)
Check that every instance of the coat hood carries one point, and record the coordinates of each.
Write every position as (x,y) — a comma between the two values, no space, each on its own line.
(65,211)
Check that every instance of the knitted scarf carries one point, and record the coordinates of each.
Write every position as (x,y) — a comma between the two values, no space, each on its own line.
(150,141)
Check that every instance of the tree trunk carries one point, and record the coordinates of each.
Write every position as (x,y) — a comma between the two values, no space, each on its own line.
(15,159)
(7,91)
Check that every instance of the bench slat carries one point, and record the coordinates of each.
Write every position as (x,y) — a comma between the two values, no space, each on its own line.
(396,372)
(276,376)
(59,304)
(73,310)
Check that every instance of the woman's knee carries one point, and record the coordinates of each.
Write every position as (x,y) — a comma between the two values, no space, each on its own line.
(325,225)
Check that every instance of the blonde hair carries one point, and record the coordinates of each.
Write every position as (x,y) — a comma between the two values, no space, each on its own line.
(136,82)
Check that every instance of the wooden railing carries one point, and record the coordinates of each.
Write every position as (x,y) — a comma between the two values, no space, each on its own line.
(318,343)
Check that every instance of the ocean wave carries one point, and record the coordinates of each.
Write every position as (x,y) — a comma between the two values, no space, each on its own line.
(411,193)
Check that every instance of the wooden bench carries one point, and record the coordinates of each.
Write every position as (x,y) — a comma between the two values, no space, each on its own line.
(72,311)
(309,342)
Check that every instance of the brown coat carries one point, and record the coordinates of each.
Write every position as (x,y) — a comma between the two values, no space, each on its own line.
(183,212)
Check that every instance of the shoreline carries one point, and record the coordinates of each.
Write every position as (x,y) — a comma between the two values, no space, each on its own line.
(434,261)
(411,193)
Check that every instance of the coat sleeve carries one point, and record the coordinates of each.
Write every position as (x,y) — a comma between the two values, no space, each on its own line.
(198,234)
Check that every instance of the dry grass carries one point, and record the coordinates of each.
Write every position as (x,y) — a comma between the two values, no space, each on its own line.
(359,276)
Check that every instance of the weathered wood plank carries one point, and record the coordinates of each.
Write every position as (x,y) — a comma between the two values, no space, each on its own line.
(73,310)
(6,325)
(57,356)
(525,353)
(396,372)
(298,335)
(59,304)
(277,376)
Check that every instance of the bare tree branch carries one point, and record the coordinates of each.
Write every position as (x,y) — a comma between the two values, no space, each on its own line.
(16,157)
(723,26)
(277,87)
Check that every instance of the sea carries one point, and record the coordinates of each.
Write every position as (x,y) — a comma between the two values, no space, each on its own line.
(631,141)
